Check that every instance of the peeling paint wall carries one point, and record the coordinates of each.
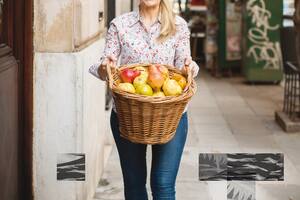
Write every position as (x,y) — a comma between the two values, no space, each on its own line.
(69,114)
(53,26)
(62,26)
(87,24)
(68,118)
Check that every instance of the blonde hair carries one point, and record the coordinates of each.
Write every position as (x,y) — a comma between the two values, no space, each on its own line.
(167,15)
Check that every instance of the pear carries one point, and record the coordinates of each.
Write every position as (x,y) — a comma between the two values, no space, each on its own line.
(163,70)
(144,89)
(142,70)
(181,80)
(155,78)
(127,87)
(171,88)
(159,94)
(140,80)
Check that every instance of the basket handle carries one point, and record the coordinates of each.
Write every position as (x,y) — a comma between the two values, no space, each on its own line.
(110,79)
(189,77)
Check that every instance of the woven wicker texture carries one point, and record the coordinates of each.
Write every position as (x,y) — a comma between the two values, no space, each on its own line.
(146,119)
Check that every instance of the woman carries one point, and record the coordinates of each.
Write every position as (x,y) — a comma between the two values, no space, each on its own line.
(153,34)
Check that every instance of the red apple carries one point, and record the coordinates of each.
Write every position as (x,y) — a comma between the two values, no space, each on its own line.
(128,75)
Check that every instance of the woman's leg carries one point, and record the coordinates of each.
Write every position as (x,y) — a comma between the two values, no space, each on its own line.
(133,163)
(165,163)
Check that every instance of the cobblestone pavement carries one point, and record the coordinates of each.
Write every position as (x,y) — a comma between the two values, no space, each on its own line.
(225,116)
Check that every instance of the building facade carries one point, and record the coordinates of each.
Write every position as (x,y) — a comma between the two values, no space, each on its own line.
(69,104)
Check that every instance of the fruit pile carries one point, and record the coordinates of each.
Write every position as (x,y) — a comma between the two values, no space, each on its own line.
(151,81)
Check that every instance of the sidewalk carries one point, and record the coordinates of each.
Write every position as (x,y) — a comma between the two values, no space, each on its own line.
(225,116)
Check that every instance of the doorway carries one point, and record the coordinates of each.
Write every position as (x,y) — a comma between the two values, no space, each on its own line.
(16,99)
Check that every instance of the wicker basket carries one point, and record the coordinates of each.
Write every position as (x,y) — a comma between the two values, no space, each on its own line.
(148,120)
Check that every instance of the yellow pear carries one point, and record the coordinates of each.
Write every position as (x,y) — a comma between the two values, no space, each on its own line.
(140,80)
(144,89)
(171,88)
(143,70)
(159,94)
(181,80)
(127,87)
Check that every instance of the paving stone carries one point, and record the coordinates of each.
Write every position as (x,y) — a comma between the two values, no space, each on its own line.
(260,103)
(207,102)
(239,110)
(226,101)
(252,133)
(291,173)
(277,191)
(192,139)
(208,119)
(257,144)
(196,191)
(188,172)
(112,190)
(262,111)
(245,123)
(205,111)
(210,128)
(271,124)
(287,141)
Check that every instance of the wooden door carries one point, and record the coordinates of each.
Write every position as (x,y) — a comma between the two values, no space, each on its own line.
(297,24)
(9,114)
(15,99)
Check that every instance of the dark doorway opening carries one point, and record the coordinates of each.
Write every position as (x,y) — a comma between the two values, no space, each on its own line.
(111,11)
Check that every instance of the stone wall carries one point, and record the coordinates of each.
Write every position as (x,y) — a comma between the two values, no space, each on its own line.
(69,117)
(65,25)
(69,114)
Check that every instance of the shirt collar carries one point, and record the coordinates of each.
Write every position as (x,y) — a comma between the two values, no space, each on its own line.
(138,18)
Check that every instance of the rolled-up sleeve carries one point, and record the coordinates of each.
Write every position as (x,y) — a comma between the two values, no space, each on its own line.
(183,48)
(112,48)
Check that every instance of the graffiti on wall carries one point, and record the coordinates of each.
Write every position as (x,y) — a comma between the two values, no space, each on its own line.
(263,49)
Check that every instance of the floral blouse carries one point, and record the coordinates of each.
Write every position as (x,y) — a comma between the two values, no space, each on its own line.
(130,41)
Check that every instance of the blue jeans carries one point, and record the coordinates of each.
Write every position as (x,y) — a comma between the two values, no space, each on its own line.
(165,163)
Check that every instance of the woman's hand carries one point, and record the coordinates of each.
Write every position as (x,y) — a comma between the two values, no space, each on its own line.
(193,67)
(109,60)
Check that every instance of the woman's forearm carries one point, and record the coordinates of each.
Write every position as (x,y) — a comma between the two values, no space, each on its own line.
(102,72)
